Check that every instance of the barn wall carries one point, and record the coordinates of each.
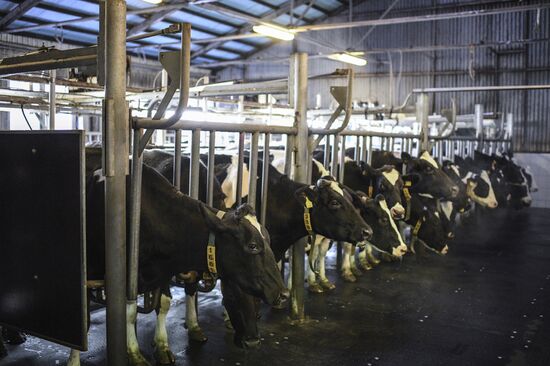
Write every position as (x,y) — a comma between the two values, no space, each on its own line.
(518,63)
(539,165)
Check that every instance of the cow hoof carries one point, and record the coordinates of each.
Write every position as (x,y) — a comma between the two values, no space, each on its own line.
(137,359)
(254,343)
(164,356)
(349,277)
(13,337)
(327,285)
(315,288)
(196,335)
(356,271)
(366,265)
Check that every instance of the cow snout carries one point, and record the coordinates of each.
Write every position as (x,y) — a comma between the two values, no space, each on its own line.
(493,204)
(400,250)
(397,211)
(526,201)
(445,250)
(366,233)
(454,191)
(450,235)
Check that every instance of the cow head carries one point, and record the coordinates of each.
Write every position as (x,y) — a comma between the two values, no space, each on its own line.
(244,255)
(332,212)
(386,181)
(461,202)
(433,180)
(377,214)
(427,220)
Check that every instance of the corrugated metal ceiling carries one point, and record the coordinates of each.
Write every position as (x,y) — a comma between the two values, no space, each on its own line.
(206,23)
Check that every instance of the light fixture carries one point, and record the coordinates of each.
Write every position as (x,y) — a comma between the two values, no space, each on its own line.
(274,32)
(347,58)
(153,1)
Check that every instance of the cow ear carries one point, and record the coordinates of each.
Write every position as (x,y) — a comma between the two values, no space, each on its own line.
(405,157)
(367,169)
(213,222)
(243,210)
(472,184)
(306,192)
(379,198)
(410,180)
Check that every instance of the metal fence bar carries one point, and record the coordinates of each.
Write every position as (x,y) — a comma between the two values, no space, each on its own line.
(334,160)
(265,178)
(176,179)
(253,169)
(240,166)
(369,156)
(194,167)
(326,159)
(357,152)
(288,154)
(210,172)
(364,149)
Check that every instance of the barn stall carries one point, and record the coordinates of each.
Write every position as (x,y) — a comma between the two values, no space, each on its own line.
(391,156)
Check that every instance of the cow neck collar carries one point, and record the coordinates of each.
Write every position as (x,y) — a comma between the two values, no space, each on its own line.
(406,192)
(415,231)
(308,205)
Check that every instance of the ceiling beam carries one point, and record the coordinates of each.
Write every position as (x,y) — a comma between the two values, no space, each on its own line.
(149,21)
(16,12)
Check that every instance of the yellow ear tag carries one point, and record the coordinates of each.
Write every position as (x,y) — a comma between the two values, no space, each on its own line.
(308,203)
(370,191)
(407,194)
(408,183)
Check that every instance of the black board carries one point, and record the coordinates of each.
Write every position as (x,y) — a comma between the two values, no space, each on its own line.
(42,235)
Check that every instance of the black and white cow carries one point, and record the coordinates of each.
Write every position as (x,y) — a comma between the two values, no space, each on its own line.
(175,233)
(508,180)
(478,183)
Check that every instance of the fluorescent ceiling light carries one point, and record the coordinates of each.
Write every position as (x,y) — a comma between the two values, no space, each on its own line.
(153,1)
(274,32)
(349,59)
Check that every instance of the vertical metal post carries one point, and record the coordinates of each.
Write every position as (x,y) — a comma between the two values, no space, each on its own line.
(265,178)
(135,212)
(422,117)
(478,119)
(253,169)
(176,179)
(342,161)
(195,164)
(334,160)
(115,147)
(326,161)
(357,155)
(239,193)
(509,130)
(298,78)
(52,98)
(364,149)
(369,157)
(211,165)
(289,151)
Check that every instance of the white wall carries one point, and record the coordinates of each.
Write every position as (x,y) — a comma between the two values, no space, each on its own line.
(540,167)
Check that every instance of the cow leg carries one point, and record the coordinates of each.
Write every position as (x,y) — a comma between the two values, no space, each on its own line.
(353,265)
(135,358)
(347,274)
(363,258)
(74,358)
(194,330)
(323,249)
(163,354)
(313,262)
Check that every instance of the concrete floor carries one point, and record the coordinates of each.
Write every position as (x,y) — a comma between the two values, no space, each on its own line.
(486,303)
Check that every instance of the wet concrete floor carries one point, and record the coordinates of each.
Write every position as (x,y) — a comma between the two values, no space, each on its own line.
(486,303)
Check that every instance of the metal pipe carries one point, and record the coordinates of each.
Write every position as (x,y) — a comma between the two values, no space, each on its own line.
(52,99)
(265,178)
(334,160)
(115,169)
(211,165)
(240,166)
(369,156)
(253,169)
(135,212)
(481,88)
(326,159)
(357,151)
(224,127)
(176,179)
(478,118)
(173,28)
(422,117)
(185,61)
(194,168)
(342,161)
(417,19)
(364,149)
(299,86)
(289,152)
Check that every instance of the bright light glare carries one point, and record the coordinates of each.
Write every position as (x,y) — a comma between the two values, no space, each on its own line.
(279,33)
(349,59)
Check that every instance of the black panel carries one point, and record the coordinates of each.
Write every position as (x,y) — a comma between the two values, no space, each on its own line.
(42,241)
